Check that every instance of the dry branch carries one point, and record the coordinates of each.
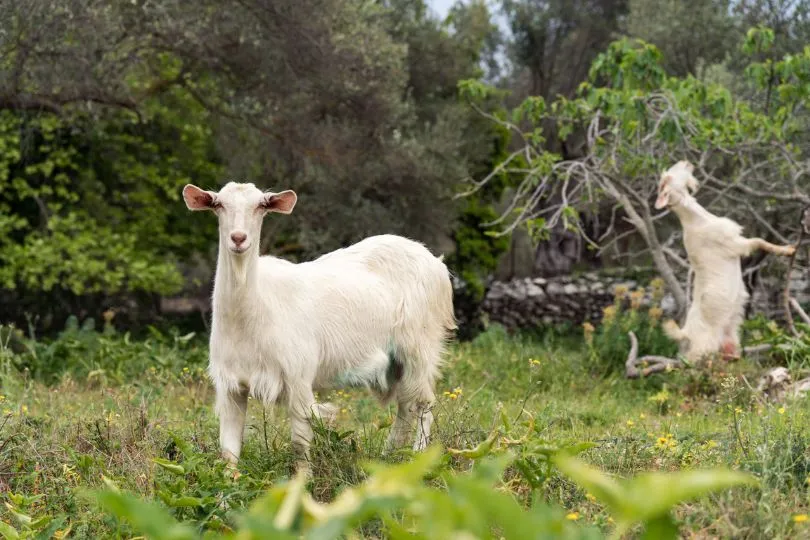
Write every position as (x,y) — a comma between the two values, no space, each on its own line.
(656,364)
(787,301)
(652,364)
(798,309)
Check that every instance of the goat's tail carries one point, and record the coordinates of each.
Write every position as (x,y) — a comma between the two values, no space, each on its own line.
(672,330)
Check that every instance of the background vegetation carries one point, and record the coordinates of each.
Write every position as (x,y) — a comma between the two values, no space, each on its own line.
(471,131)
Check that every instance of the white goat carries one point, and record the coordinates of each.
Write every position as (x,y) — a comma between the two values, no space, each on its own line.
(375,314)
(714,246)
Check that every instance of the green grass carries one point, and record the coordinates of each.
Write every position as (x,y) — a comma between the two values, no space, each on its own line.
(95,405)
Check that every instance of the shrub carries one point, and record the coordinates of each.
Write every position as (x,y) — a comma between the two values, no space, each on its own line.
(608,344)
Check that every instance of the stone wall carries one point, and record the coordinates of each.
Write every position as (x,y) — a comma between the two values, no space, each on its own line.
(534,302)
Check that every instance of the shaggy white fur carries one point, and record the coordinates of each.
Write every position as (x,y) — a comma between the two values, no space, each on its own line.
(375,314)
(714,246)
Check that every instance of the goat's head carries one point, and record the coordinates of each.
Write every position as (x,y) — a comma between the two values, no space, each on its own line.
(240,209)
(676,183)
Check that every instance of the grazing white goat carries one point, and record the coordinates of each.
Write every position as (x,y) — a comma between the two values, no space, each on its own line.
(714,246)
(375,314)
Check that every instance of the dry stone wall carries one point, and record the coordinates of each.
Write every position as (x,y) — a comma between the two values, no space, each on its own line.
(536,302)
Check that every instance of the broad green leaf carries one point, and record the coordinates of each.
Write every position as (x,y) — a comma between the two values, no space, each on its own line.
(8,531)
(170,466)
(660,528)
(651,495)
(483,449)
(604,488)
(147,518)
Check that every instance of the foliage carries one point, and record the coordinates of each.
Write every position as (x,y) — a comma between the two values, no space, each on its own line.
(649,498)
(107,356)
(468,506)
(351,103)
(636,121)
(152,433)
(691,34)
(608,343)
(787,350)
(90,205)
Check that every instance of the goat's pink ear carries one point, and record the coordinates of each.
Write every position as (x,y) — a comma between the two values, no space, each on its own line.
(663,200)
(663,193)
(198,199)
(283,202)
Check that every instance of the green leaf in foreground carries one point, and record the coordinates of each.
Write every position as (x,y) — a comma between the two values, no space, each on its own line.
(147,518)
(649,498)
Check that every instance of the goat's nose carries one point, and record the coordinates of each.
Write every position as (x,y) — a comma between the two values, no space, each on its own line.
(238,237)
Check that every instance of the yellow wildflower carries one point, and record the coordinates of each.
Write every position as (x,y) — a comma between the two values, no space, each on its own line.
(590,497)
(800,518)
(737,410)
(657,289)
(2,398)
(630,423)
(457,390)
(534,362)
(620,291)
(344,411)
(573,516)
(452,396)
(781,410)
(636,298)
(642,416)
(655,313)
(24,409)
(608,314)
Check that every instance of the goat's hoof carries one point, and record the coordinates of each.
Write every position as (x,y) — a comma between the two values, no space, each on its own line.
(229,458)
(790,250)
(303,467)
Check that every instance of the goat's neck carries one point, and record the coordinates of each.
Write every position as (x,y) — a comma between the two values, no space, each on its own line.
(690,212)
(235,285)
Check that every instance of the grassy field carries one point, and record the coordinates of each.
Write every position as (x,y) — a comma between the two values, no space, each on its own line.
(93,408)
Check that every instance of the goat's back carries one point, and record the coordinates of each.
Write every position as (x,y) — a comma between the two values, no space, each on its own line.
(420,280)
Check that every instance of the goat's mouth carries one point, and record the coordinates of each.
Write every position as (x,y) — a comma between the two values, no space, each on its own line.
(238,250)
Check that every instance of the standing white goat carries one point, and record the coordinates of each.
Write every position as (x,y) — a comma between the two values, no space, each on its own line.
(714,246)
(375,314)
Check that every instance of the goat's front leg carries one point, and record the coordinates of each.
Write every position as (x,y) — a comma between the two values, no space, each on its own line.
(749,245)
(231,407)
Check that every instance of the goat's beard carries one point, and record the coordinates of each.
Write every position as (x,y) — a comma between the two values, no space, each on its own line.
(239,267)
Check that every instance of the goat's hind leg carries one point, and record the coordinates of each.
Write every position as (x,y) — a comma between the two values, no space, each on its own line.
(753,244)
(303,408)
(416,397)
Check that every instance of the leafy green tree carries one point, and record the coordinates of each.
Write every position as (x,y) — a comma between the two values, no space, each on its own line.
(352,103)
(690,34)
(638,122)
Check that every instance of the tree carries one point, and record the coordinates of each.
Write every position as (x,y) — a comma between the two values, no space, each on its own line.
(109,107)
(638,122)
(691,34)
(556,40)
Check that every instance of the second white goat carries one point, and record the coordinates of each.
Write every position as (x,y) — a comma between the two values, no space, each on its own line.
(714,246)
(375,314)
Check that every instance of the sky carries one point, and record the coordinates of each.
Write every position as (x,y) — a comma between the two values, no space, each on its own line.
(441,7)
